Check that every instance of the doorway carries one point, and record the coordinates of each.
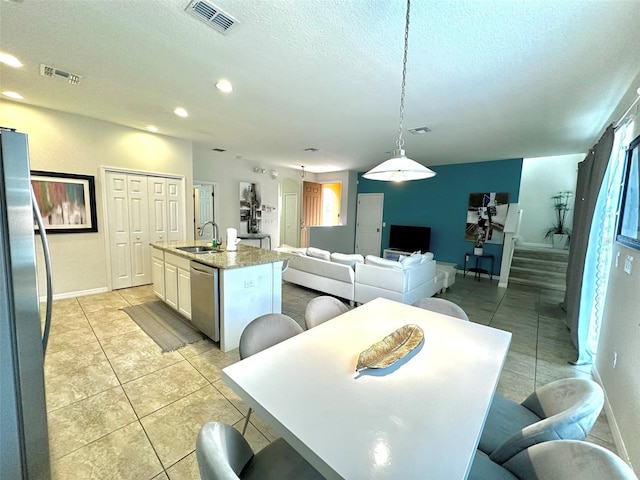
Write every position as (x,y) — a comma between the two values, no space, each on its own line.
(369,223)
(204,208)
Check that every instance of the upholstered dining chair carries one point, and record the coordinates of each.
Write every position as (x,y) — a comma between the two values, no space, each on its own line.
(561,410)
(554,460)
(263,332)
(321,309)
(441,305)
(224,454)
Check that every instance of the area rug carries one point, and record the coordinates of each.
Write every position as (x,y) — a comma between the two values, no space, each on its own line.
(165,327)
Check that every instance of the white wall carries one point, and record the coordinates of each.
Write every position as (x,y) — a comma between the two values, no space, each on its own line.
(542,178)
(620,333)
(62,142)
(207,166)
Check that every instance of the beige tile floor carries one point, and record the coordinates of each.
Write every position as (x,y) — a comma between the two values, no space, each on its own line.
(118,408)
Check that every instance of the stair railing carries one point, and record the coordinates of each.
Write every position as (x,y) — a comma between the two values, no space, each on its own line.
(511,230)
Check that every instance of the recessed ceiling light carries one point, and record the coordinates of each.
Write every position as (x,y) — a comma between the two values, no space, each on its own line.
(10,60)
(151,128)
(181,112)
(15,95)
(224,86)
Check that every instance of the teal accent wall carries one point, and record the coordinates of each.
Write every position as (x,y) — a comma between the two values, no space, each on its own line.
(440,202)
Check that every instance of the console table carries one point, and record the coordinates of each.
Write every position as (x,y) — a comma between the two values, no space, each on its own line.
(255,236)
(478,265)
(393,254)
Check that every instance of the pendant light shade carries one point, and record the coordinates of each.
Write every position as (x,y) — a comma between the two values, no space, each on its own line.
(399,168)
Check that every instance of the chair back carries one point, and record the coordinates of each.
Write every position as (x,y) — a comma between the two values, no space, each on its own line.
(221,451)
(266,331)
(441,305)
(568,408)
(568,460)
(321,309)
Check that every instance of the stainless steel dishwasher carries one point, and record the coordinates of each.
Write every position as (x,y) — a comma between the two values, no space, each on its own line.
(205,313)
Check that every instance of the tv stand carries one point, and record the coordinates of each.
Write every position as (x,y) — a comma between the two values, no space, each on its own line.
(394,254)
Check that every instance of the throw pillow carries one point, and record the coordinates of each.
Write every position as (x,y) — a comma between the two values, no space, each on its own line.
(382,262)
(293,250)
(318,253)
(347,259)
(408,262)
(426,257)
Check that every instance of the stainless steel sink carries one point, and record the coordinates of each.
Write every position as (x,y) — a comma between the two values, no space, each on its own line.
(199,249)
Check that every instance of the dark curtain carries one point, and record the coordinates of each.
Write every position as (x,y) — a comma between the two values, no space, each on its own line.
(590,174)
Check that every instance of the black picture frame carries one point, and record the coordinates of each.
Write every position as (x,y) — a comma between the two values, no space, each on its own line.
(628,232)
(66,201)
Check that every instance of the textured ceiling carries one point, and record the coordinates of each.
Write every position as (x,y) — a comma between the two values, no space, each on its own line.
(493,79)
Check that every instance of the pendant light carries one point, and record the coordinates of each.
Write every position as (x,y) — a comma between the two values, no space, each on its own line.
(400,168)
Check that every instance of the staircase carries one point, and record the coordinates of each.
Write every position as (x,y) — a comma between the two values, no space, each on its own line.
(540,267)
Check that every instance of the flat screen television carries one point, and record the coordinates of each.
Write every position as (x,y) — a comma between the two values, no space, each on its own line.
(409,238)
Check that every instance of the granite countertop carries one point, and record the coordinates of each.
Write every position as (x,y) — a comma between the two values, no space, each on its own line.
(245,256)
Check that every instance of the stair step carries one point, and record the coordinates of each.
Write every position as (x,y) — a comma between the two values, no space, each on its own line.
(537,264)
(534,283)
(540,253)
(542,274)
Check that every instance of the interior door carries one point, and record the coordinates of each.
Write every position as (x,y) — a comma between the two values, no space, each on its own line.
(311,204)
(139,230)
(369,223)
(175,210)
(120,249)
(204,211)
(291,219)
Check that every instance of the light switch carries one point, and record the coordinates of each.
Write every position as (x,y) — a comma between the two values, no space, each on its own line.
(617,259)
(628,263)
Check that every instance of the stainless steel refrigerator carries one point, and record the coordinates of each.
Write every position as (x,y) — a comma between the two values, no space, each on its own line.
(24,446)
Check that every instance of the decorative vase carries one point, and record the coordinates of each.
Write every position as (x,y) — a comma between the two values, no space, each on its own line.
(560,242)
(477,251)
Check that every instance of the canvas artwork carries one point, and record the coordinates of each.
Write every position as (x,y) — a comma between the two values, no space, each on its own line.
(66,201)
(486,216)
(250,207)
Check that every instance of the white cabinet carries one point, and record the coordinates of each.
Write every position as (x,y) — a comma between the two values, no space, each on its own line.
(157,272)
(177,283)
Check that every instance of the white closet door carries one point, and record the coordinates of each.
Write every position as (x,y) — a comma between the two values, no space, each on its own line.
(157,209)
(175,210)
(120,249)
(139,228)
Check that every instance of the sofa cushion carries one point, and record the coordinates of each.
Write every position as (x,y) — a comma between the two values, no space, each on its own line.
(382,262)
(347,259)
(408,262)
(318,253)
(289,249)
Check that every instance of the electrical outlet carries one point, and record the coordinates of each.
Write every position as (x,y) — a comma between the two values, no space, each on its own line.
(249,283)
(615,359)
(628,263)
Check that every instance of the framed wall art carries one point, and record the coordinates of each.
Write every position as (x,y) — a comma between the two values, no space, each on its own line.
(67,201)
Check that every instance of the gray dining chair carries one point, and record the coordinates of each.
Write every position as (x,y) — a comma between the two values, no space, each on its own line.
(441,305)
(224,454)
(561,410)
(321,309)
(263,332)
(557,459)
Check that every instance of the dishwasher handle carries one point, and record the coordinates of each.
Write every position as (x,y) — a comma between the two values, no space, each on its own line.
(202,272)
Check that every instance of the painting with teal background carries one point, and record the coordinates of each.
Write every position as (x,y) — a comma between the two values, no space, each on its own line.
(441,203)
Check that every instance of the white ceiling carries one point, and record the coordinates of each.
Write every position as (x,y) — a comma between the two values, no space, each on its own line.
(494,79)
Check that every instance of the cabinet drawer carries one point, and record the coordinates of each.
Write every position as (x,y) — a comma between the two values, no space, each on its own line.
(177,261)
(157,253)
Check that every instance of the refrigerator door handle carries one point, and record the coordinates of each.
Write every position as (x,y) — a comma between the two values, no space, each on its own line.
(47,265)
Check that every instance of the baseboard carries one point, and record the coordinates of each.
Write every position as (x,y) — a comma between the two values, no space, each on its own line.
(613,425)
(79,293)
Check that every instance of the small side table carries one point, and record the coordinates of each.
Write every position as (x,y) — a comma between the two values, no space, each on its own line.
(255,236)
(477,270)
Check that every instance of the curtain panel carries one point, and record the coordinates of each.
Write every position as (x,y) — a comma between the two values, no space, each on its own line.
(590,175)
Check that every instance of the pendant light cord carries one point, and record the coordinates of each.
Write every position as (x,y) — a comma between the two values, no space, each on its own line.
(400,142)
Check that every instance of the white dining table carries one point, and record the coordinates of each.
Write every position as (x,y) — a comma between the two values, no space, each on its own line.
(420,418)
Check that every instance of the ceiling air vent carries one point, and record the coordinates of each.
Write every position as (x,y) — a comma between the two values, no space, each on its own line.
(211,15)
(53,72)
(419,130)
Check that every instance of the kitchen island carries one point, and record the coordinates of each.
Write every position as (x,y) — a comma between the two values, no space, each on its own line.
(242,285)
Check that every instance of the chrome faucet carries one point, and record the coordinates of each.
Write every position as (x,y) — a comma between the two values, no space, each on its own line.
(216,231)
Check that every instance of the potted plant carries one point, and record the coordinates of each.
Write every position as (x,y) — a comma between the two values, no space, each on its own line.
(558,232)
(477,248)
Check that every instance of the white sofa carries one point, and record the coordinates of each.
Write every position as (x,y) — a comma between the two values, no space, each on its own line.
(357,279)
(406,280)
